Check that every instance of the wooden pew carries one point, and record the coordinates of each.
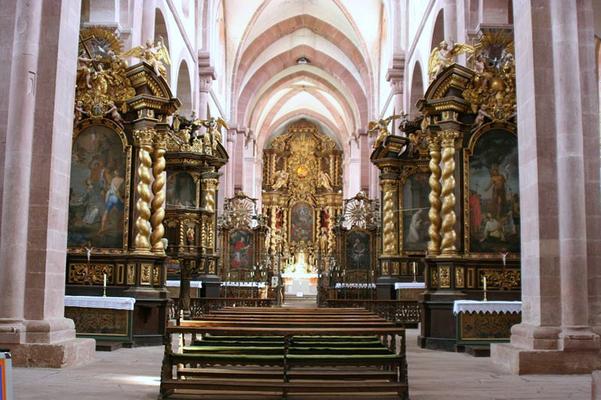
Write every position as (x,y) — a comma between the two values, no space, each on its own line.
(339,355)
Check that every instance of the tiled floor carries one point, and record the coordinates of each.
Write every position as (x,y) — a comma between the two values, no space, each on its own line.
(133,374)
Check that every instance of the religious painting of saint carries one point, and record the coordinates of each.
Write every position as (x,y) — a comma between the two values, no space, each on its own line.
(181,190)
(97,191)
(415,213)
(241,251)
(494,200)
(301,223)
(358,254)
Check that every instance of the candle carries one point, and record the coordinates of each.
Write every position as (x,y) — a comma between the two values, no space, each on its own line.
(484,279)
(414,268)
(104,282)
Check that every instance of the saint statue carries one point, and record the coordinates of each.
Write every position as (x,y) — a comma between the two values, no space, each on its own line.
(281,180)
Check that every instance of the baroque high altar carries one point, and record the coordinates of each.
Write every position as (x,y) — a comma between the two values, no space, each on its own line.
(302,196)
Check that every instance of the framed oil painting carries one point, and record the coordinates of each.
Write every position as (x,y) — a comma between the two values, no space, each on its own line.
(358,252)
(493,198)
(97,194)
(181,190)
(415,213)
(301,223)
(241,250)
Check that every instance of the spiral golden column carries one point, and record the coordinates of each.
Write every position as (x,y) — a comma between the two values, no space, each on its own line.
(448,193)
(209,186)
(158,201)
(389,231)
(143,189)
(434,197)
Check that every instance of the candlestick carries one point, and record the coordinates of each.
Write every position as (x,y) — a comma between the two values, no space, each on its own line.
(414,271)
(484,279)
(104,286)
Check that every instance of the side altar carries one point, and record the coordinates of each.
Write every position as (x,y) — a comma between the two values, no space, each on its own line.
(453,177)
(123,140)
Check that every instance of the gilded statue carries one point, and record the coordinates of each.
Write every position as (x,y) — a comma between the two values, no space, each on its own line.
(444,55)
(212,136)
(156,55)
(281,180)
(325,181)
(380,128)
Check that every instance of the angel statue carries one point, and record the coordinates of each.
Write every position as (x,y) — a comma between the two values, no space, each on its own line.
(381,128)
(325,181)
(157,56)
(281,180)
(444,55)
(213,134)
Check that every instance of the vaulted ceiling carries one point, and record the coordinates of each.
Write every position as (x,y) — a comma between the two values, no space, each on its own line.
(317,59)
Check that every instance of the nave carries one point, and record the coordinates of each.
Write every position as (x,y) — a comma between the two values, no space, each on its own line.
(132,374)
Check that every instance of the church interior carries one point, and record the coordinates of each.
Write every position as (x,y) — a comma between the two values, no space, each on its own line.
(300,199)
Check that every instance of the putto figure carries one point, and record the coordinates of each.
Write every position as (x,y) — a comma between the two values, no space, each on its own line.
(156,55)
(380,128)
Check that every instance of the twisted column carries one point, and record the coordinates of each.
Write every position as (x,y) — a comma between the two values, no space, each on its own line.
(448,193)
(158,201)
(389,227)
(434,197)
(143,189)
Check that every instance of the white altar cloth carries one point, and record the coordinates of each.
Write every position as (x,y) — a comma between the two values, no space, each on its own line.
(114,303)
(409,285)
(176,283)
(477,306)
(340,285)
(243,284)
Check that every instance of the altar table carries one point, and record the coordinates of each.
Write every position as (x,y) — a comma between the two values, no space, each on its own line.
(108,319)
(409,290)
(485,322)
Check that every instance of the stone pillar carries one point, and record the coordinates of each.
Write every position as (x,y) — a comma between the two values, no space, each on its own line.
(555,335)
(450,20)
(148,16)
(229,168)
(38,125)
(365,151)
(494,12)
(395,76)
(206,75)
(238,160)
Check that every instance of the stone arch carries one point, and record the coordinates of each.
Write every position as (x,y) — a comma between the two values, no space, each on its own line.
(438,33)
(184,89)
(417,89)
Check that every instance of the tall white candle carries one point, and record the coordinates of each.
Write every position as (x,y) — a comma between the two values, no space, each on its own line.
(104,283)
(485,283)
(414,268)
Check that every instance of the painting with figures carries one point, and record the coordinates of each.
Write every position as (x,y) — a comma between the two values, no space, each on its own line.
(97,192)
(181,190)
(241,251)
(494,200)
(301,223)
(358,255)
(415,213)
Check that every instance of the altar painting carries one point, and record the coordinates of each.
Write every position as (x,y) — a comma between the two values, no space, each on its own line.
(97,191)
(241,251)
(415,213)
(301,223)
(181,190)
(494,201)
(358,254)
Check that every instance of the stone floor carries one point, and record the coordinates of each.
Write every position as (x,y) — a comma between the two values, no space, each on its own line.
(129,374)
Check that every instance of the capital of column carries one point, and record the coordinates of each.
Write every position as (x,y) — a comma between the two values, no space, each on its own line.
(396,73)
(206,73)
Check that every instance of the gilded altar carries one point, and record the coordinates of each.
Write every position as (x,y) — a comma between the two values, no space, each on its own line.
(302,196)
(125,149)
(453,177)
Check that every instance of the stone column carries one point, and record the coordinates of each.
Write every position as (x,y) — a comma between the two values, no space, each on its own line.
(450,20)
(555,335)
(206,76)
(38,125)
(365,151)
(148,16)
(229,168)
(395,76)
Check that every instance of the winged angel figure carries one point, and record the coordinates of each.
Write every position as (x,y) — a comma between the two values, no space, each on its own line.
(444,55)
(381,128)
(156,55)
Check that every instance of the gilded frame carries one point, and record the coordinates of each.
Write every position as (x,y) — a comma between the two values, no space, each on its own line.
(313,223)
(127,148)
